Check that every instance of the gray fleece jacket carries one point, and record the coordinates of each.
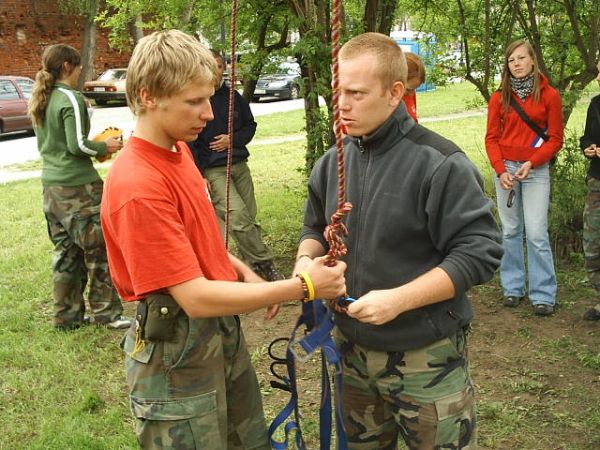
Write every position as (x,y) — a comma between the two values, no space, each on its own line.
(418,203)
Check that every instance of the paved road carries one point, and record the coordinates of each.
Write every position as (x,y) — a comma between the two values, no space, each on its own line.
(19,147)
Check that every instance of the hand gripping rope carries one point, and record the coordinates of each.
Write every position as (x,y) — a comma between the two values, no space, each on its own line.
(317,316)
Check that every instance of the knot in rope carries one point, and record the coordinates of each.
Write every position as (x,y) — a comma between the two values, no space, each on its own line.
(334,232)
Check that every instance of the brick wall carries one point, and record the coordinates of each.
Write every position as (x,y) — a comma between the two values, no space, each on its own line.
(28,26)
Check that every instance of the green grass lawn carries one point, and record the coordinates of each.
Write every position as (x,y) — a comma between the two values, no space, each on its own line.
(67,390)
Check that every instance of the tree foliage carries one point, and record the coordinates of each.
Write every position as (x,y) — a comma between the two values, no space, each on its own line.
(563,33)
(314,54)
(263,29)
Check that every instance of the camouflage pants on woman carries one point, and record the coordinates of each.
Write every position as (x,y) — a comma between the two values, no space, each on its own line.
(424,396)
(73,220)
(196,391)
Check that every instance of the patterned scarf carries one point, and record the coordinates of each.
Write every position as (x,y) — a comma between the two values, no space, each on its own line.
(522,86)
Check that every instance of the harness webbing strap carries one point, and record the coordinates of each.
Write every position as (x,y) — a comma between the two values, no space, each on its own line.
(318,319)
(316,316)
(287,383)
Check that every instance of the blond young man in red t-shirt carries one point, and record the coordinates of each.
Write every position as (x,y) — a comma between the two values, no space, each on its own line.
(190,379)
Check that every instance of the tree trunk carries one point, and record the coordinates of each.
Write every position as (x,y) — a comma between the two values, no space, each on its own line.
(386,16)
(251,76)
(314,124)
(370,15)
(315,29)
(136,31)
(186,13)
(379,16)
(88,47)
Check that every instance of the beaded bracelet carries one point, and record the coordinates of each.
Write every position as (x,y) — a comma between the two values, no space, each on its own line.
(304,288)
(308,286)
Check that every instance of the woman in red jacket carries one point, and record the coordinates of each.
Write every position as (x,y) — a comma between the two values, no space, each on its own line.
(520,157)
(415,77)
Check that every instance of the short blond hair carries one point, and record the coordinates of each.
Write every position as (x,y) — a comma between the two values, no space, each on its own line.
(391,63)
(164,62)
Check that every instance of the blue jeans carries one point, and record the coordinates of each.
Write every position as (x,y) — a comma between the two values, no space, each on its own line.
(529,210)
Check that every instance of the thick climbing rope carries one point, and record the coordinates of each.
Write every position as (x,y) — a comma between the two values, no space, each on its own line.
(336,229)
(316,317)
(232,81)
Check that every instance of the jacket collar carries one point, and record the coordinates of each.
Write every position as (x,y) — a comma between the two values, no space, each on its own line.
(391,131)
(59,84)
(223,89)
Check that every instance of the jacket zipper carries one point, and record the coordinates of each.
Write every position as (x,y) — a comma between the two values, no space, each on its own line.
(359,224)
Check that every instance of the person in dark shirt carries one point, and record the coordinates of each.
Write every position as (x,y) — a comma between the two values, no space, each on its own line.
(210,154)
(590,144)
(421,232)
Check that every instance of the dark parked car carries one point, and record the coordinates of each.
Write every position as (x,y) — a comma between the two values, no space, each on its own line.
(283,84)
(109,86)
(14,96)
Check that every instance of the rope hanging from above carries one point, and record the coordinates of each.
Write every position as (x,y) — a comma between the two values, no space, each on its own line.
(336,230)
(316,317)
(232,81)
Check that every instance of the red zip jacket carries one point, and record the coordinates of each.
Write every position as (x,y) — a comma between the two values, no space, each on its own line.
(410,100)
(509,137)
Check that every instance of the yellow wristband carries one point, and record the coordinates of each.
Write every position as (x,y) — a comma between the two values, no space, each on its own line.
(309,284)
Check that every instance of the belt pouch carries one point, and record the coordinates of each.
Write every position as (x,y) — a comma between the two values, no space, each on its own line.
(161,320)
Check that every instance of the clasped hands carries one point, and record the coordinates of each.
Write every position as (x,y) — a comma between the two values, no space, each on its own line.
(220,143)
(507,179)
(593,151)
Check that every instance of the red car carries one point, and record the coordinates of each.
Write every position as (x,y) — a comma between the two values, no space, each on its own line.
(14,95)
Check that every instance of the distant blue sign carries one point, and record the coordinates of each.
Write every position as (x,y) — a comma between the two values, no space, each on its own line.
(409,45)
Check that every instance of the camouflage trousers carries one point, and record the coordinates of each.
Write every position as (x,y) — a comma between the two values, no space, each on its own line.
(591,232)
(197,391)
(424,396)
(73,220)
(242,210)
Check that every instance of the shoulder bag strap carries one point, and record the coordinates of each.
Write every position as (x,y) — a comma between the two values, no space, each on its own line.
(536,129)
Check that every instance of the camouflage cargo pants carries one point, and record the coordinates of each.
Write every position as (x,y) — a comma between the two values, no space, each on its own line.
(591,232)
(242,210)
(73,220)
(424,396)
(197,391)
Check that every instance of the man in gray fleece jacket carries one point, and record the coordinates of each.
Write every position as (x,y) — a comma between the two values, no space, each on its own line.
(421,233)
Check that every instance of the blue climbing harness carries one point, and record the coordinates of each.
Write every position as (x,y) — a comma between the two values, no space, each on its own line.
(317,319)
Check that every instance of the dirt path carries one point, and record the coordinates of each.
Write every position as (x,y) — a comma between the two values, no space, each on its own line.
(535,389)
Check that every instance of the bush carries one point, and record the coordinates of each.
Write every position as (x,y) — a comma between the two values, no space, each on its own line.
(568,194)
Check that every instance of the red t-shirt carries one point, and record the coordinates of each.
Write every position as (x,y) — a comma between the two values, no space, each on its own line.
(159,223)
(410,100)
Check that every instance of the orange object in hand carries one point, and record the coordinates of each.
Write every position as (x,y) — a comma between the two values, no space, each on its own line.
(113,132)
